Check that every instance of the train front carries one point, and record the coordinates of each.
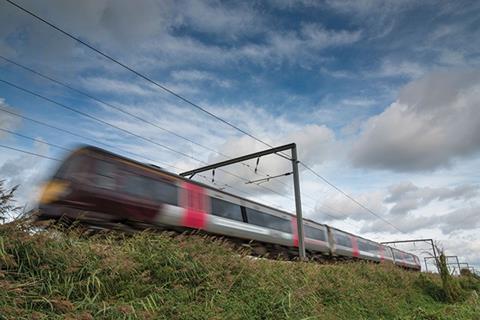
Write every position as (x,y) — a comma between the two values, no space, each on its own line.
(63,196)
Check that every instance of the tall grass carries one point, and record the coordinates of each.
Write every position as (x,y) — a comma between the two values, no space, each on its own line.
(66,275)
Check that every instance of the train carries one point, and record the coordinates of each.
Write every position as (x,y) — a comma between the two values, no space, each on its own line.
(99,188)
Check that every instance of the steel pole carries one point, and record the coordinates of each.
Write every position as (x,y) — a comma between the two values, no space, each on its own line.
(435,255)
(298,204)
(458,263)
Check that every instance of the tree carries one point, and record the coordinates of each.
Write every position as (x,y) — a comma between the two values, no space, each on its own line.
(6,201)
(451,287)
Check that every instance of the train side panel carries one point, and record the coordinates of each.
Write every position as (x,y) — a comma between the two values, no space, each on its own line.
(96,186)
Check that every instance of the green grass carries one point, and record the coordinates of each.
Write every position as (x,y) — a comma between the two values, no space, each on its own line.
(55,275)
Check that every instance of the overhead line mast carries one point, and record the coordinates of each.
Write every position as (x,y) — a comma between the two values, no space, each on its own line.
(296,182)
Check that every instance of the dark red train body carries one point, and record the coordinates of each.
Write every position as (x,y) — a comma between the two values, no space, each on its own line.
(100,188)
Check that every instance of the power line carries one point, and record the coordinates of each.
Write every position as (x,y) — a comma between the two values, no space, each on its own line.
(105,55)
(67,149)
(85,138)
(129,132)
(350,197)
(35,140)
(189,102)
(30,153)
(139,74)
(268,177)
(87,115)
(63,84)
(85,94)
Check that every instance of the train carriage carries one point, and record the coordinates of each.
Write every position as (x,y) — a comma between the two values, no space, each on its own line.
(98,187)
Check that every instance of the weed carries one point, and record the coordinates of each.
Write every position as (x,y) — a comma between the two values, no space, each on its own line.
(66,275)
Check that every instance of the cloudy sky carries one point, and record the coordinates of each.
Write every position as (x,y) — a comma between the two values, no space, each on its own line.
(382,98)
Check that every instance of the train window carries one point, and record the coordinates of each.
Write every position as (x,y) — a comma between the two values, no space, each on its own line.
(267,220)
(165,192)
(409,258)
(148,188)
(373,247)
(362,245)
(314,233)
(105,174)
(226,209)
(387,252)
(137,185)
(367,246)
(395,254)
(343,240)
(399,255)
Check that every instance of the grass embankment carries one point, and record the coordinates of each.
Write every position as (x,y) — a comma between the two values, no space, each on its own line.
(53,275)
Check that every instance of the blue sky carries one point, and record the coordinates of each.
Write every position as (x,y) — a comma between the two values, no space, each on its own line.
(382,98)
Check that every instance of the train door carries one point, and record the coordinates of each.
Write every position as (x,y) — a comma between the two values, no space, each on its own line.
(195,202)
(355,250)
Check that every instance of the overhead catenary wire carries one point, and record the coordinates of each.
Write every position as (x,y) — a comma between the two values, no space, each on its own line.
(68,149)
(189,102)
(128,132)
(96,142)
(29,152)
(58,82)
(268,178)
(131,69)
(91,117)
(108,104)
(119,109)
(35,140)
(87,115)
(349,197)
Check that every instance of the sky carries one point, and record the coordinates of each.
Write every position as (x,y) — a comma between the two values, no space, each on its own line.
(381,97)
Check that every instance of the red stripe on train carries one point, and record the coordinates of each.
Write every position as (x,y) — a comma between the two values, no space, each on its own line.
(295,231)
(356,253)
(194,202)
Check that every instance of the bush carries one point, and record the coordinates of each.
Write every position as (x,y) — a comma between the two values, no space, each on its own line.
(6,201)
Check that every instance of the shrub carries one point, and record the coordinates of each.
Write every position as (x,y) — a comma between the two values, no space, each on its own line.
(6,201)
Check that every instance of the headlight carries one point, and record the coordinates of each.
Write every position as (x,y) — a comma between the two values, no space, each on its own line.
(54,190)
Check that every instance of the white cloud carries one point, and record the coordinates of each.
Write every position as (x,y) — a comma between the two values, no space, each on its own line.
(434,121)
(115,86)
(406,196)
(306,43)
(315,143)
(27,172)
(219,19)
(448,223)
(338,207)
(408,207)
(357,102)
(7,121)
(406,69)
(200,76)
(318,37)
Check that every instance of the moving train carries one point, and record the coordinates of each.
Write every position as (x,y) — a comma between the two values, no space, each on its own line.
(97,187)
